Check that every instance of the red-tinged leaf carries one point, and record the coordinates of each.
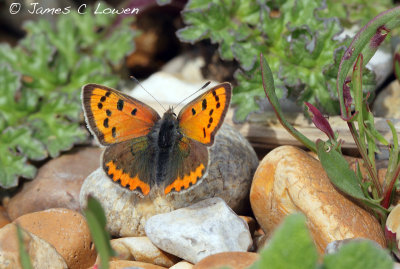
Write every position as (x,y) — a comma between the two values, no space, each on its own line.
(380,35)
(319,121)
(396,65)
(348,100)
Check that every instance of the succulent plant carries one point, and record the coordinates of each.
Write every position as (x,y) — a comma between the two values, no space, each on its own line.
(297,39)
(41,78)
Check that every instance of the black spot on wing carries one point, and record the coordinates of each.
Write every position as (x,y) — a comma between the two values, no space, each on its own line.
(108,112)
(204,104)
(193,111)
(105,123)
(120,104)
(133,113)
(100,105)
(113,132)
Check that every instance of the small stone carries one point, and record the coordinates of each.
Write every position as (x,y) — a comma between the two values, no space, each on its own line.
(120,264)
(388,101)
(57,184)
(182,265)
(231,168)
(41,253)
(250,222)
(4,219)
(335,246)
(234,260)
(143,250)
(289,180)
(66,230)
(200,230)
(260,242)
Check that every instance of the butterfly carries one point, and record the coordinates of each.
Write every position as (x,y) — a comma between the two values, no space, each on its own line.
(144,151)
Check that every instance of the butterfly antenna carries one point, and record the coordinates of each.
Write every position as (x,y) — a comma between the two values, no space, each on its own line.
(137,81)
(203,87)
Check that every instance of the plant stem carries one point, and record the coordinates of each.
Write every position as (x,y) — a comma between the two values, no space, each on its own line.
(386,200)
(364,155)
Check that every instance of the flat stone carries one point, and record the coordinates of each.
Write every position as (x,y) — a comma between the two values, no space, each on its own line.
(57,184)
(200,230)
(41,253)
(231,168)
(64,229)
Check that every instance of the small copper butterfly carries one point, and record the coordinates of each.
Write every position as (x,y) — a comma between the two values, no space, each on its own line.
(143,150)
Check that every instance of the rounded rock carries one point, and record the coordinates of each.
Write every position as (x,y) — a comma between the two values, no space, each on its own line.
(57,184)
(41,253)
(66,230)
(234,260)
(231,167)
(289,180)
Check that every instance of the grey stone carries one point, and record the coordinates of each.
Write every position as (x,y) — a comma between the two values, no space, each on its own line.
(200,230)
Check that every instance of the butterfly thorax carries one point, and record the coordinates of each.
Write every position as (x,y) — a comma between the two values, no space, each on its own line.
(166,131)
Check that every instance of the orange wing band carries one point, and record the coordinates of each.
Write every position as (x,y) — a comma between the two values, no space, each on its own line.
(186,181)
(125,180)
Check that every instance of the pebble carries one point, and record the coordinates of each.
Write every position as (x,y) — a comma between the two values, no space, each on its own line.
(231,168)
(143,250)
(57,184)
(182,265)
(133,265)
(200,230)
(289,180)
(387,102)
(41,253)
(4,219)
(64,229)
(233,260)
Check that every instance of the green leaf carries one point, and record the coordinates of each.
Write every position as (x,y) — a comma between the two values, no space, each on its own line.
(291,246)
(359,255)
(23,254)
(338,171)
(269,88)
(96,220)
(342,177)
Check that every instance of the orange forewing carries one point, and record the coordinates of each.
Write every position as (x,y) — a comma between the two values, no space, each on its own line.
(201,118)
(114,117)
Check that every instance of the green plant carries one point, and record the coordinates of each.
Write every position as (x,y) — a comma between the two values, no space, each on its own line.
(300,45)
(291,246)
(23,254)
(355,12)
(356,113)
(97,223)
(40,108)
